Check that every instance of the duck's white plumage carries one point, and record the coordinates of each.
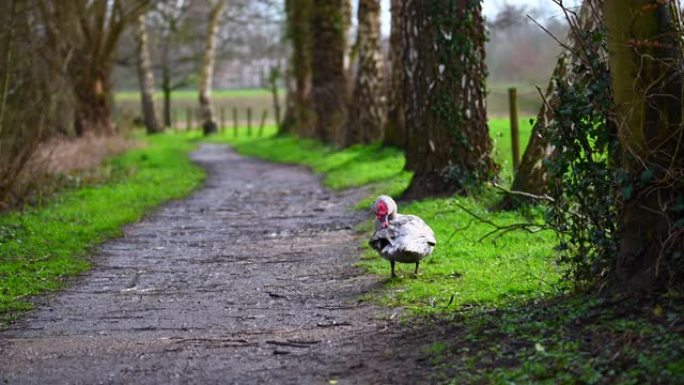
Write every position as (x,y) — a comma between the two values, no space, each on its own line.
(401,238)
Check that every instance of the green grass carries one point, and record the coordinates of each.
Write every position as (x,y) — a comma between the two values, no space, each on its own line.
(42,246)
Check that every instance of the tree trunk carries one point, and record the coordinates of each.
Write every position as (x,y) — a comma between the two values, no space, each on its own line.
(84,34)
(366,114)
(166,85)
(449,145)
(395,134)
(329,80)
(300,112)
(532,176)
(146,79)
(645,61)
(93,104)
(207,71)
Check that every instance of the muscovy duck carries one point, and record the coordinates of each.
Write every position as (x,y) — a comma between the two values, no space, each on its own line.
(398,237)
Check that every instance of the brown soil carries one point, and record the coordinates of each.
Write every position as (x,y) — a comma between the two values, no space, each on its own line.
(250,280)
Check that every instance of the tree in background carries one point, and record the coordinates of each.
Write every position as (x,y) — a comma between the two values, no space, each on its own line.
(146,78)
(532,175)
(394,132)
(172,29)
(83,35)
(300,107)
(449,148)
(329,80)
(31,92)
(366,112)
(645,53)
(209,125)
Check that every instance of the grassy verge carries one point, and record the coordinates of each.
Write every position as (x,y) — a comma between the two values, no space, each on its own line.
(495,311)
(42,246)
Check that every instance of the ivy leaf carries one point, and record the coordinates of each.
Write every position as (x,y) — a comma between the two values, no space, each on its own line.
(678,224)
(628,192)
(646,176)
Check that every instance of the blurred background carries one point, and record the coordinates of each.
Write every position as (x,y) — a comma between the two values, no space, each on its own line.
(521,53)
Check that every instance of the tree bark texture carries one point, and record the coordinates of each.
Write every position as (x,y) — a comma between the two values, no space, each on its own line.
(300,112)
(645,62)
(85,35)
(394,132)
(367,108)
(449,147)
(209,125)
(532,176)
(146,79)
(329,80)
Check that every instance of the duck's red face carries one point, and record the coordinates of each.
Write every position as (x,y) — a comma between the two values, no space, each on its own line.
(382,213)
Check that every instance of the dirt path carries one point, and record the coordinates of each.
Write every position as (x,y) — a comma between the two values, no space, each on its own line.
(248,281)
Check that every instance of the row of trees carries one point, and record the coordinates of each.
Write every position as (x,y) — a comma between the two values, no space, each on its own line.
(58,60)
(629,139)
(435,107)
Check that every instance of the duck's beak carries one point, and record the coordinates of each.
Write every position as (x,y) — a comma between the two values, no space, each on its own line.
(384,220)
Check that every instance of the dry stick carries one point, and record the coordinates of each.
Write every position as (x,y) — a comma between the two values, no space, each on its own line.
(515,132)
(263,122)
(499,229)
(249,122)
(235,122)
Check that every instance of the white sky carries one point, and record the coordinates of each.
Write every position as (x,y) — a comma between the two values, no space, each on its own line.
(491,7)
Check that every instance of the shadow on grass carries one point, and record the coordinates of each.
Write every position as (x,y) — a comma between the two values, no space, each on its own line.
(563,340)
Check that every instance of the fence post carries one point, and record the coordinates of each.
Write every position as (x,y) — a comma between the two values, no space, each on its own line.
(515,132)
(249,121)
(263,122)
(223,120)
(174,120)
(235,122)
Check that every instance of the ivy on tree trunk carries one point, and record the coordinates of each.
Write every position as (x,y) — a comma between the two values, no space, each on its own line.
(449,148)
(644,43)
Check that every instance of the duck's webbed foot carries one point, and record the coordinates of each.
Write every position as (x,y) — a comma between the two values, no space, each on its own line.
(392,269)
(416,270)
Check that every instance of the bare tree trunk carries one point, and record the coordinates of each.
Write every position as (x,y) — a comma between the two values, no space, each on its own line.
(449,147)
(207,71)
(532,176)
(300,112)
(93,111)
(166,85)
(146,79)
(645,63)
(366,113)
(329,78)
(395,134)
(84,34)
